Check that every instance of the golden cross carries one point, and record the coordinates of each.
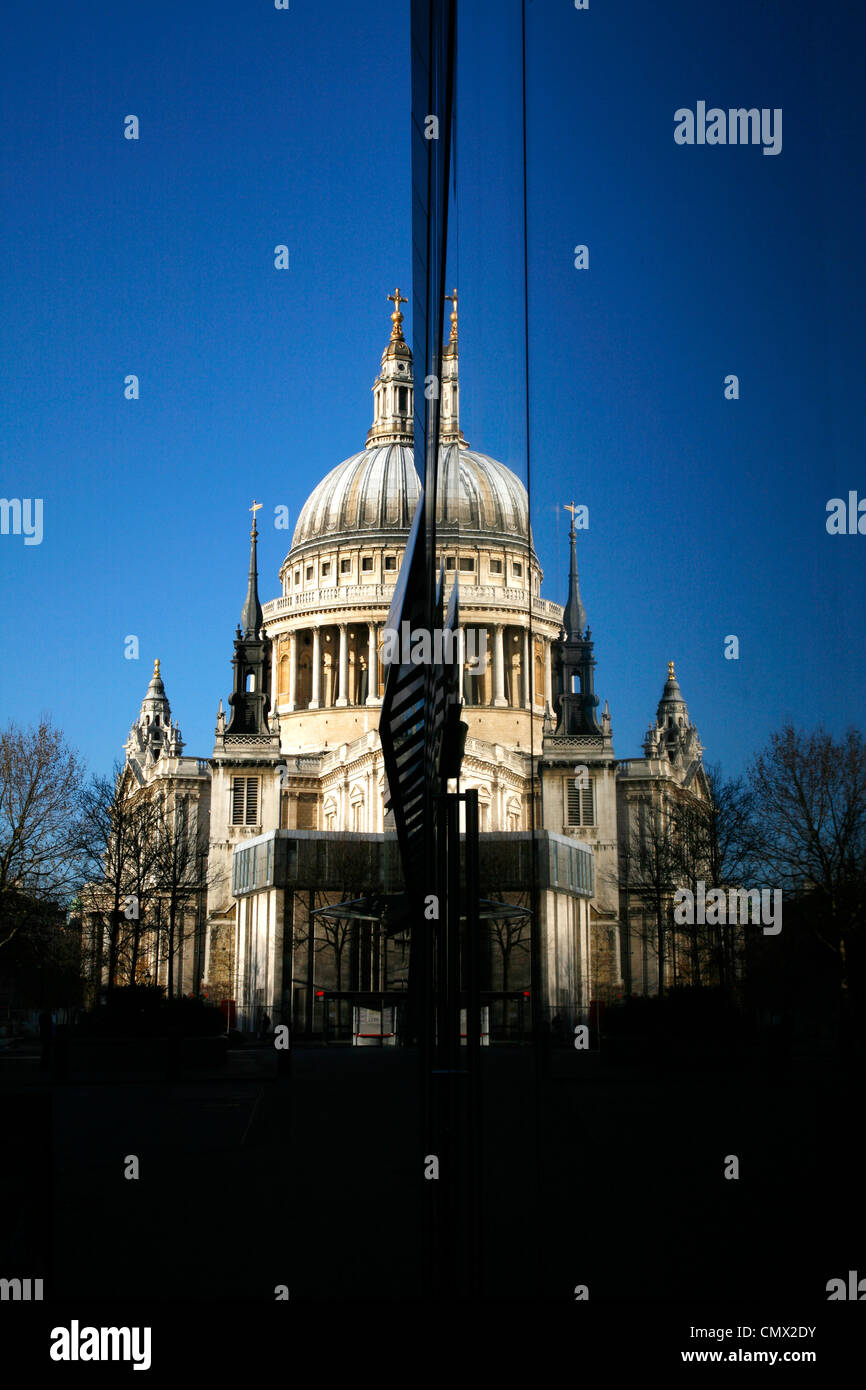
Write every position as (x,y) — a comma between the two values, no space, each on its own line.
(397,317)
(453,297)
(570,507)
(256,507)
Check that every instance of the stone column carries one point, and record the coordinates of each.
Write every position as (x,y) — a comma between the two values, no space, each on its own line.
(548,675)
(527,682)
(372,666)
(498,667)
(343,687)
(317,670)
(293,669)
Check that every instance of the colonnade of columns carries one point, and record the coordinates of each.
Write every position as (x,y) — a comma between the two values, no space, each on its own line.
(339,664)
(504,684)
(330,665)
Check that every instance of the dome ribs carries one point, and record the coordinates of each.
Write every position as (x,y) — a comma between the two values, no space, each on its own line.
(377,491)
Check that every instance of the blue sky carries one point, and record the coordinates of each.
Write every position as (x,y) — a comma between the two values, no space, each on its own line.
(259,127)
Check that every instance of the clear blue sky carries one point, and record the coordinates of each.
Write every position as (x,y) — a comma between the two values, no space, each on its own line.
(259,127)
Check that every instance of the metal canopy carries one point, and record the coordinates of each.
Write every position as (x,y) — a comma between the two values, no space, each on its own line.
(380,909)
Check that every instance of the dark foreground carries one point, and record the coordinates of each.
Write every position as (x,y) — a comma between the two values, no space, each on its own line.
(599,1174)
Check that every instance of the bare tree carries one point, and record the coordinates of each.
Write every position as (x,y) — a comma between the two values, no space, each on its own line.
(105,840)
(809,831)
(40,779)
(144,825)
(178,872)
(511,937)
(729,853)
(689,848)
(649,869)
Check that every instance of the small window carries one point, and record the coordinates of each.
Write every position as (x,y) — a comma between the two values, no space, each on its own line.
(390,562)
(245,800)
(297,576)
(467,565)
(449,562)
(309,573)
(367,563)
(495,566)
(326,568)
(345,566)
(307,802)
(518,569)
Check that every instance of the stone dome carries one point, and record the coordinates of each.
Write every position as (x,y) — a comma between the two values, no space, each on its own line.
(376,492)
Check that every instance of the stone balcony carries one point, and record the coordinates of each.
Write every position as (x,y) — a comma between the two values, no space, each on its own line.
(314,602)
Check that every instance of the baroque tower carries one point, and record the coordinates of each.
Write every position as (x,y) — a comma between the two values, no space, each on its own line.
(577,770)
(245,781)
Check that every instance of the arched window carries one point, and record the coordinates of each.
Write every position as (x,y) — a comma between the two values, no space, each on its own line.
(540,684)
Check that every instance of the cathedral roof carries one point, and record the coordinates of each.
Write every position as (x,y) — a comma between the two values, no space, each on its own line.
(377,490)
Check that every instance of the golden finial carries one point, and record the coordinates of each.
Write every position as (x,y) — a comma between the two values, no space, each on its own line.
(397,317)
(671,675)
(453,297)
(256,507)
(156,669)
(570,507)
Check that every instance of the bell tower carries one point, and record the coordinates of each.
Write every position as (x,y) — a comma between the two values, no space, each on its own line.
(393,391)
(575,700)
(250,699)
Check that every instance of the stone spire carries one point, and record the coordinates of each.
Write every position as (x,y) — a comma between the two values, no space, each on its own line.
(251,613)
(672,706)
(153,732)
(574,617)
(673,733)
(393,392)
(155,707)
(449,415)
(251,697)
(576,701)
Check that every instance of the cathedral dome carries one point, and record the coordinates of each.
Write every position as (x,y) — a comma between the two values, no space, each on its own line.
(377,491)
